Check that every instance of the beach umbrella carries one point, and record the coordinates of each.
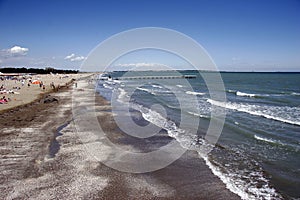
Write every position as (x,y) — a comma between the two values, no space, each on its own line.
(36,82)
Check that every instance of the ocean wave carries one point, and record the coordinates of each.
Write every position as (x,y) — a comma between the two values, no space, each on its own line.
(110,82)
(122,95)
(146,90)
(117,81)
(180,86)
(267,140)
(295,94)
(244,94)
(238,93)
(171,106)
(197,115)
(252,95)
(157,86)
(194,93)
(184,138)
(107,86)
(292,147)
(243,182)
(290,115)
(231,91)
(187,140)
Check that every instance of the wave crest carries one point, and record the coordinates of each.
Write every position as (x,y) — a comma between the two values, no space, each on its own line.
(194,93)
(238,93)
(290,115)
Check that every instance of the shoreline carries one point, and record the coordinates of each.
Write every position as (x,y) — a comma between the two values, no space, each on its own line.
(72,173)
(188,177)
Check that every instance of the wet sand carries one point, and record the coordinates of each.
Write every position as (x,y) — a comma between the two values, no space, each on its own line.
(28,171)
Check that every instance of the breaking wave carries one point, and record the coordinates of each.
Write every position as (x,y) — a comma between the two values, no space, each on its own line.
(194,93)
(290,115)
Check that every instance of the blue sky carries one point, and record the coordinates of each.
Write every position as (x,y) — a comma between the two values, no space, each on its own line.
(240,35)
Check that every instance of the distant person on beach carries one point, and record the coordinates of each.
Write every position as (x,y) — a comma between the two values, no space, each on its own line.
(52,85)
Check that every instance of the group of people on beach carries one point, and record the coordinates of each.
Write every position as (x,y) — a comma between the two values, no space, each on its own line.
(4,100)
(5,90)
(19,82)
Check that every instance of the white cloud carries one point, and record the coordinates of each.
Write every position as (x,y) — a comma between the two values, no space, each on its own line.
(18,51)
(15,51)
(69,57)
(72,57)
(78,58)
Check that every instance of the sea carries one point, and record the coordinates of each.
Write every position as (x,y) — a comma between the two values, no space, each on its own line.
(257,155)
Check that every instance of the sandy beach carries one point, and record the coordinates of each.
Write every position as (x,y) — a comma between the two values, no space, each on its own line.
(22,91)
(43,157)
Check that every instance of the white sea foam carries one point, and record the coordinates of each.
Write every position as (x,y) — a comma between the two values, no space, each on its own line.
(122,95)
(158,120)
(185,139)
(290,115)
(238,93)
(146,90)
(171,128)
(194,93)
(107,86)
(157,86)
(238,185)
(267,140)
(295,93)
(231,91)
(197,114)
(154,117)
(180,86)
(110,82)
(117,81)
(243,94)
(233,181)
